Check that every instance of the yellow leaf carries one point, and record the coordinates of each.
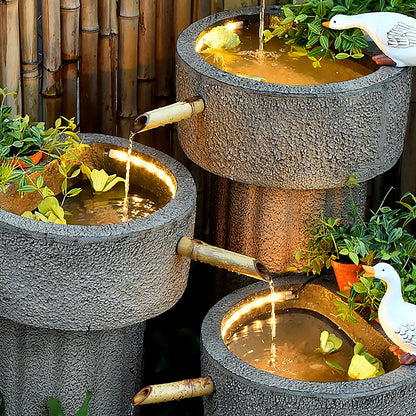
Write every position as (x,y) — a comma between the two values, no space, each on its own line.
(361,369)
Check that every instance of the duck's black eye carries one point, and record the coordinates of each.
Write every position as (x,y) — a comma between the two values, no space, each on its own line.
(335,21)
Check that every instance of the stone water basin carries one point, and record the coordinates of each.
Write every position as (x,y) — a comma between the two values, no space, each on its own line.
(243,389)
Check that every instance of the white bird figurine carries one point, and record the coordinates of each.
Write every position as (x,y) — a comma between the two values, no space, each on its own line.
(393,33)
(397,317)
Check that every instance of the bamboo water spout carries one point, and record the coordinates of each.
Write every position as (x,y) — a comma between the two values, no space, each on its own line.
(234,262)
(168,114)
(177,390)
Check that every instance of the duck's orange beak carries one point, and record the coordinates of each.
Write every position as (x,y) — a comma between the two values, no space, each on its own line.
(326,24)
(369,271)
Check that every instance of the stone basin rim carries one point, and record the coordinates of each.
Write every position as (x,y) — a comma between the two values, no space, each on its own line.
(174,209)
(231,364)
(185,48)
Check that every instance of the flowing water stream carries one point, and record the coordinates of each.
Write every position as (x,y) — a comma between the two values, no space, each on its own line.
(127,180)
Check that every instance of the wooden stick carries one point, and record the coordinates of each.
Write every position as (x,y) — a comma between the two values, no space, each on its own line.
(107,44)
(127,59)
(29,55)
(234,262)
(88,78)
(9,52)
(178,390)
(146,69)
(70,17)
(216,6)
(236,4)
(164,49)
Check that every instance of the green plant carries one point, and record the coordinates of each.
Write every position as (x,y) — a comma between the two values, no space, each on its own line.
(302,27)
(363,365)
(389,241)
(333,239)
(55,409)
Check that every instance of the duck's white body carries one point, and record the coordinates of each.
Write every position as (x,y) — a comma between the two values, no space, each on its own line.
(393,33)
(397,317)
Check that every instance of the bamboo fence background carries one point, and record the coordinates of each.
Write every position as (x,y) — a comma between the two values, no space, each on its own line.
(107,61)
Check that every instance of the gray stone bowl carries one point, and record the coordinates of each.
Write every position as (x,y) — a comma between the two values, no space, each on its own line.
(289,137)
(241,389)
(98,277)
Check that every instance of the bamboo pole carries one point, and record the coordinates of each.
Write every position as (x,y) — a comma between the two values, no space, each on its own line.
(70,17)
(216,6)
(178,390)
(29,54)
(164,48)
(234,262)
(236,4)
(52,62)
(182,16)
(145,102)
(107,44)
(147,40)
(9,52)
(200,9)
(88,79)
(127,64)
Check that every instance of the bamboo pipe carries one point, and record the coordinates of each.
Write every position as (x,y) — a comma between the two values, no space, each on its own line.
(168,114)
(178,390)
(234,262)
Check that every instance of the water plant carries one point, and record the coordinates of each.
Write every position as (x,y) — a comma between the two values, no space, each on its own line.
(363,365)
(301,27)
(55,409)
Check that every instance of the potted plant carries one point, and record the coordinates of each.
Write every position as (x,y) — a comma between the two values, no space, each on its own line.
(301,27)
(391,242)
(383,237)
(342,245)
(22,144)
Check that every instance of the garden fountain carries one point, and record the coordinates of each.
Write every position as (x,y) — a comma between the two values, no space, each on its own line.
(281,153)
(75,298)
(232,386)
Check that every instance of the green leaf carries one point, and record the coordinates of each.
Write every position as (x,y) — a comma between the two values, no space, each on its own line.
(73,192)
(54,408)
(39,181)
(324,41)
(335,365)
(342,55)
(83,411)
(321,10)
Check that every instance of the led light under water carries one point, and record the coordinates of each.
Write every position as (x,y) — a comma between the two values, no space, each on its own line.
(150,167)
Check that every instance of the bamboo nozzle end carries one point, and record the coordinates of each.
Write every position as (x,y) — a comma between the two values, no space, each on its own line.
(141,396)
(140,123)
(263,271)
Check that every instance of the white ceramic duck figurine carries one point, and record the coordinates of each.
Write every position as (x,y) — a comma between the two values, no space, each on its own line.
(397,317)
(393,33)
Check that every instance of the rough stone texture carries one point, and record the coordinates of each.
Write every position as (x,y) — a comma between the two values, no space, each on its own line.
(289,137)
(74,299)
(241,389)
(38,363)
(74,277)
(268,223)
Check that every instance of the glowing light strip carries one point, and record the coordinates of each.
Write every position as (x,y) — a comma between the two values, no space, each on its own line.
(150,167)
(254,304)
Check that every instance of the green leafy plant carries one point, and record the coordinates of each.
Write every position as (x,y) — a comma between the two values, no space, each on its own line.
(334,239)
(301,26)
(100,180)
(363,365)
(219,37)
(329,343)
(55,409)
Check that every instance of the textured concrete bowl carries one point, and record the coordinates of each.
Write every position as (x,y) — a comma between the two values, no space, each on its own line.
(289,137)
(75,298)
(76,277)
(241,389)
